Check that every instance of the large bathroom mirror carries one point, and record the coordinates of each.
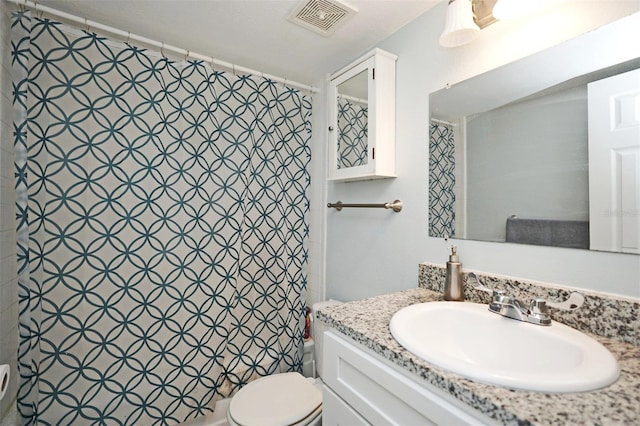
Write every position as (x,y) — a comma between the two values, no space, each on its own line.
(353,119)
(529,152)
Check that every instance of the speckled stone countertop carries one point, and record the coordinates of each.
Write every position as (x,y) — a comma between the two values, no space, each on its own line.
(367,322)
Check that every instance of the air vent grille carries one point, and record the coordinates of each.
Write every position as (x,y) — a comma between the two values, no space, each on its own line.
(322,16)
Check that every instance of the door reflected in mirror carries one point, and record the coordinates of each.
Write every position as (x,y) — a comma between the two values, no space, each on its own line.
(353,121)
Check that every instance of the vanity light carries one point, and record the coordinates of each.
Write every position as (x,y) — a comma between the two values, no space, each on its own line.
(460,27)
(514,9)
(465,18)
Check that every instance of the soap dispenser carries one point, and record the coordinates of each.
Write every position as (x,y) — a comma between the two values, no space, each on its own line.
(453,288)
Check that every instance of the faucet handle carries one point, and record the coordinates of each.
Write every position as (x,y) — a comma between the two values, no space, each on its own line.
(573,302)
(498,294)
(538,306)
(538,312)
(479,285)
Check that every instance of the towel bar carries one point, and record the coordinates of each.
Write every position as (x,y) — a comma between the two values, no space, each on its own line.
(396,205)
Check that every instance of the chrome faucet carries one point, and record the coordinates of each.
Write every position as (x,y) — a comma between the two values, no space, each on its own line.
(536,312)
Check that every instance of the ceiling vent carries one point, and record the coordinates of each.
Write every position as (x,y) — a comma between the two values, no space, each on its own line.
(322,16)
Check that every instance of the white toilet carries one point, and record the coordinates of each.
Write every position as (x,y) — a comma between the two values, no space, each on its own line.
(284,398)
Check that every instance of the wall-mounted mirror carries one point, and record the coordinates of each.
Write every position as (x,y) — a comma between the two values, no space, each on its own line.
(531,153)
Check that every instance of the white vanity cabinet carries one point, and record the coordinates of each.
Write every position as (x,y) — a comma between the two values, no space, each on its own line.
(361,388)
(362,114)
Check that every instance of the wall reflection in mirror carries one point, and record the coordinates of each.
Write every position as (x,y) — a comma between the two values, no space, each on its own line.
(558,167)
(353,119)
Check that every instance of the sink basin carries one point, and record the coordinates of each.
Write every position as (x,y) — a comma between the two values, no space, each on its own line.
(467,339)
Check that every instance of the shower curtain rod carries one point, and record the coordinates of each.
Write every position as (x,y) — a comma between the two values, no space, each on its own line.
(437,120)
(354,99)
(88,24)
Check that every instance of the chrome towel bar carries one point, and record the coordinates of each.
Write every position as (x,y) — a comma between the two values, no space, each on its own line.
(396,205)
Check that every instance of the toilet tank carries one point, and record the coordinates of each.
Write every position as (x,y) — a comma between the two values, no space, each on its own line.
(318,330)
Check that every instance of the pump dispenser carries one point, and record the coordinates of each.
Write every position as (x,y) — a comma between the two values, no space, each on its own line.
(453,288)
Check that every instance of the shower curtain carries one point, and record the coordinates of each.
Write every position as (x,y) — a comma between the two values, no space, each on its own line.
(162,226)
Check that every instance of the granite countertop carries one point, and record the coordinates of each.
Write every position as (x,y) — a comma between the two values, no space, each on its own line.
(367,322)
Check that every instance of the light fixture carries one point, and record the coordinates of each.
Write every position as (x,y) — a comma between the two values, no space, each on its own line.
(460,27)
(465,18)
(514,9)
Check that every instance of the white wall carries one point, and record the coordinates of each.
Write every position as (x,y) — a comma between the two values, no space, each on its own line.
(371,251)
(8,273)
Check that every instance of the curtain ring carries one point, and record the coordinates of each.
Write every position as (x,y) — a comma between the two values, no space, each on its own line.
(233,69)
(162,51)
(128,37)
(186,57)
(39,11)
(86,23)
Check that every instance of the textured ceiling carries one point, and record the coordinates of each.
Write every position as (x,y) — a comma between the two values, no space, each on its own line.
(252,33)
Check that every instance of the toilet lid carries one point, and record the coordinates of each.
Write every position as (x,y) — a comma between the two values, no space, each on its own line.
(279,399)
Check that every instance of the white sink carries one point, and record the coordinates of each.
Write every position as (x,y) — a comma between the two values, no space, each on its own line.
(467,339)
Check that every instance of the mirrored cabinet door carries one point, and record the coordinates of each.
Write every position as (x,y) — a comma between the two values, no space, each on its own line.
(362,119)
(352,128)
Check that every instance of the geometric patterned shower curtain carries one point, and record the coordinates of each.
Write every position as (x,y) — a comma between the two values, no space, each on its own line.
(162,220)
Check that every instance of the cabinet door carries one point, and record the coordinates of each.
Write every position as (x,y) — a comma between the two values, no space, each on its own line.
(383,395)
(350,128)
(337,412)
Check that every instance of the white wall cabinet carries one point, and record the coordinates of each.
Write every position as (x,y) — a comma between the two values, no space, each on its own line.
(362,388)
(362,114)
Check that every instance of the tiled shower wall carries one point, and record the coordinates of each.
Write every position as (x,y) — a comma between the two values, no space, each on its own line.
(8,273)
